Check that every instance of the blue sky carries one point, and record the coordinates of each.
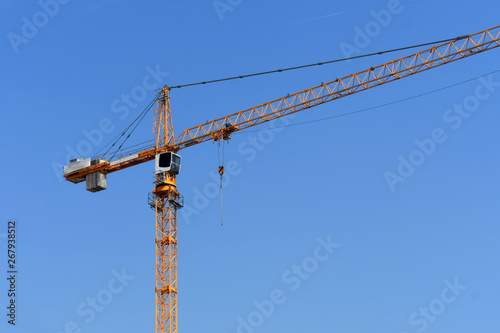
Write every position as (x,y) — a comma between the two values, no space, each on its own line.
(315,238)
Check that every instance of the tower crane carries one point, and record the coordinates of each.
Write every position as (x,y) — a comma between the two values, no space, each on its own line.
(165,198)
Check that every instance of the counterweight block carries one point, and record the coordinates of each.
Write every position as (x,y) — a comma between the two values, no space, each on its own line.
(96,181)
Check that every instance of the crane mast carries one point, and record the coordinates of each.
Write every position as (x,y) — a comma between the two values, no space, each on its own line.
(166,200)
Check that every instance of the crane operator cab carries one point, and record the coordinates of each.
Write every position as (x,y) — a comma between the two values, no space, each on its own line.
(166,164)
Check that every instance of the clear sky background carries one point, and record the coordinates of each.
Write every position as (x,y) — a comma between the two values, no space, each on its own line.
(418,255)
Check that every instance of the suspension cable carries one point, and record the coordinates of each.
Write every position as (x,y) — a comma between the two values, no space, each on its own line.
(320,63)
